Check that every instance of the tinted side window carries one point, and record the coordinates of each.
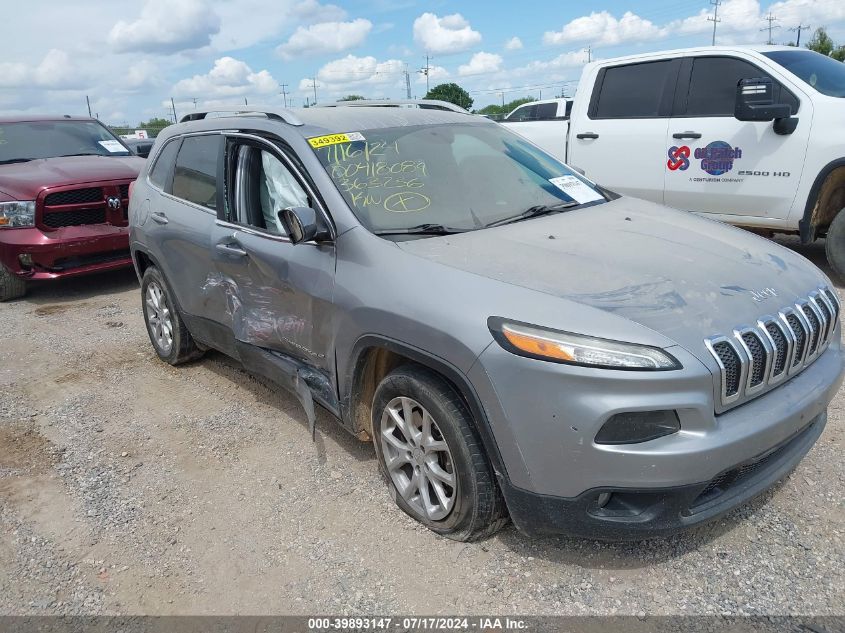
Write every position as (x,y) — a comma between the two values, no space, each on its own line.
(160,173)
(524,113)
(195,176)
(546,111)
(712,90)
(635,91)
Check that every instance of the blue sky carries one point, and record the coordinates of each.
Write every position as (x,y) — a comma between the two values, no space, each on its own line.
(130,58)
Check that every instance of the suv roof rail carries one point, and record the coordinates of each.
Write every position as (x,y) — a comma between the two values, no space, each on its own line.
(434,104)
(279,114)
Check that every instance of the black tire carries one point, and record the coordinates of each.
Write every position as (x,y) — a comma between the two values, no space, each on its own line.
(182,347)
(478,510)
(11,286)
(834,244)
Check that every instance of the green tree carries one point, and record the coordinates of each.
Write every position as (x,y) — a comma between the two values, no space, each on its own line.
(452,93)
(821,42)
(352,98)
(839,54)
(155,122)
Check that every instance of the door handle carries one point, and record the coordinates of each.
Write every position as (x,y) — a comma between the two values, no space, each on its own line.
(231,249)
(159,217)
(680,135)
(587,135)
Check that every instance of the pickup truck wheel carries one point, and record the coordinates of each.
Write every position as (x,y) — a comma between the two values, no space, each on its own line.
(834,244)
(430,454)
(11,286)
(170,338)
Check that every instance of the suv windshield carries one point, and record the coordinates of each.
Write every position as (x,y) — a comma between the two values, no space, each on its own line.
(823,73)
(455,177)
(30,140)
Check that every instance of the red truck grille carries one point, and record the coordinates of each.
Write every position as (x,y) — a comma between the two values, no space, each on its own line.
(75,218)
(74,196)
(84,206)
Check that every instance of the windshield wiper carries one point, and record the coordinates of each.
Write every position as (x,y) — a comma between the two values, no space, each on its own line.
(81,154)
(422,229)
(15,160)
(533,212)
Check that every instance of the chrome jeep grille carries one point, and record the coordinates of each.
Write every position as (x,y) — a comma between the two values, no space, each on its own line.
(756,357)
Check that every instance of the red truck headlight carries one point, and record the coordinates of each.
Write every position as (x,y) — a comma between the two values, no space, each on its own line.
(17,214)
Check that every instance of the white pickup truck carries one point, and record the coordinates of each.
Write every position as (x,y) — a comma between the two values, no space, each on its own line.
(752,136)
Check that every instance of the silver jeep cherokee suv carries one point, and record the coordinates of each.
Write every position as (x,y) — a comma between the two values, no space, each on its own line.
(517,341)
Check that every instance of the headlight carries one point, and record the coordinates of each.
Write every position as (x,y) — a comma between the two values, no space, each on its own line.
(18,213)
(575,349)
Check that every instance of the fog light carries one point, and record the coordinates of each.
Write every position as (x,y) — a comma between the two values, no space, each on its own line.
(634,427)
(25,259)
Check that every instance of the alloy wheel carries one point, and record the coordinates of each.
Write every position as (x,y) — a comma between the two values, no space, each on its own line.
(418,459)
(159,317)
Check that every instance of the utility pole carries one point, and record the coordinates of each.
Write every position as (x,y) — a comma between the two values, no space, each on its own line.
(503,99)
(799,29)
(771,20)
(425,71)
(715,19)
(173,105)
(88,101)
(194,99)
(285,94)
(589,51)
(407,83)
(314,86)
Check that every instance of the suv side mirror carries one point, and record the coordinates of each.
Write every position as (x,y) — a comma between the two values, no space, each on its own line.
(755,101)
(302,224)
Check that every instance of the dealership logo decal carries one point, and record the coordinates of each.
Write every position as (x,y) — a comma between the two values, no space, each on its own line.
(718,157)
(678,158)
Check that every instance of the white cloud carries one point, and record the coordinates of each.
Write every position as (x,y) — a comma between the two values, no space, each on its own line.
(325,37)
(352,70)
(313,11)
(449,34)
(603,29)
(513,44)
(167,26)
(228,78)
(481,63)
(55,72)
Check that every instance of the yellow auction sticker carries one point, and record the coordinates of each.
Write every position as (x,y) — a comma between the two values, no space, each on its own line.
(334,139)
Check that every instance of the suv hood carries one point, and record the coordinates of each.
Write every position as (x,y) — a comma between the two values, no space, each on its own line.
(680,275)
(23,181)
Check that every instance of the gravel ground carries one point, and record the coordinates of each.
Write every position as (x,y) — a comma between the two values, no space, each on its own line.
(131,487)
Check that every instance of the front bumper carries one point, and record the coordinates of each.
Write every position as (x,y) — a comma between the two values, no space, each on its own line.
(65,252)
(640,513)
(544,418)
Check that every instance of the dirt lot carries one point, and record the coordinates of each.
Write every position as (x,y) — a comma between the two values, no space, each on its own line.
(129,486)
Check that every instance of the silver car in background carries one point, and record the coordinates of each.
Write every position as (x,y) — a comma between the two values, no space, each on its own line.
(517,342)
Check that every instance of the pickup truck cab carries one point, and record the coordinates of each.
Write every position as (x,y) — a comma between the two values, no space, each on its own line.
(752,136)
(64,198)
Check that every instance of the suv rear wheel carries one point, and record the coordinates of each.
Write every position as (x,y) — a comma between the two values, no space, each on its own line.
(430,454)
(11,286)
(170,338)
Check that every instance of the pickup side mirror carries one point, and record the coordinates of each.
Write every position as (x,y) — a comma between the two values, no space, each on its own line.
(755,102)
(302,224)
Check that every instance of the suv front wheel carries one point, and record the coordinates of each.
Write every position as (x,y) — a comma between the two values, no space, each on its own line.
(430,454)
(170,338)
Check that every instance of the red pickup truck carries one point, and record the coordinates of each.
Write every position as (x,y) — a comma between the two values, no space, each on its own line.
(64,200)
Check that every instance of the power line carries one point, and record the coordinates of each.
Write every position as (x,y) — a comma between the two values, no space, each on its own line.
(771,20)
(715,19)
(799,28)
